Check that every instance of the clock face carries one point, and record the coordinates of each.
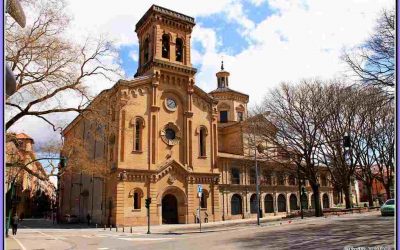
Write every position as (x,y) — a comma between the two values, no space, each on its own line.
(171,103)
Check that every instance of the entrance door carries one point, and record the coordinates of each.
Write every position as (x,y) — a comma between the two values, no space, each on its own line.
(169,209)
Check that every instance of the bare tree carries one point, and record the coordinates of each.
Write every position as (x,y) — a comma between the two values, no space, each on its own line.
(373,62)
(297,113)
(384,147)
(53,71)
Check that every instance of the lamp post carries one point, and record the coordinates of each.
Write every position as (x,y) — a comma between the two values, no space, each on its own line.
(148,202)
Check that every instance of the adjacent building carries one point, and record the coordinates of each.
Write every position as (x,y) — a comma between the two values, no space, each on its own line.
(163,136)
(32,196)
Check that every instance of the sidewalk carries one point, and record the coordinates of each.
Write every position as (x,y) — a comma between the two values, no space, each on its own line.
(180,228)
(12,243)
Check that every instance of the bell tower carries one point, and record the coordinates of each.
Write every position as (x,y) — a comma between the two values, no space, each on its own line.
(223,77)
(164,40)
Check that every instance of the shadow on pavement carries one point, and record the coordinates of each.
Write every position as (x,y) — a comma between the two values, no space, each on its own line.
(40,223)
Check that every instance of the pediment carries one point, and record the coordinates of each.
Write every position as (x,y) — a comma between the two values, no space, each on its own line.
(171,165)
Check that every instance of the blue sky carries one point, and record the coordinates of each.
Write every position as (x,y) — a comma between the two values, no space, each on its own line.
(231,40)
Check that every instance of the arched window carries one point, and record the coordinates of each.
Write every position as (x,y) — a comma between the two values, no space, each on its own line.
(292,180)
(236,204)
(165,46)
(179,50)
(146,48)
(269,203)
(203,200)
(138,134)
(253,204)
(137,198)
(252,176)
(202,141)
(323,181)
(235,175)
(281,179)
(293,202)
(267,178)
(325,201)
(281,203)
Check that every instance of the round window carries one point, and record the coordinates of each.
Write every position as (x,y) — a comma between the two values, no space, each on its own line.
(170,134)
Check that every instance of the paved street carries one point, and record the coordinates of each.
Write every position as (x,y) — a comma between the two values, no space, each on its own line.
(334,232)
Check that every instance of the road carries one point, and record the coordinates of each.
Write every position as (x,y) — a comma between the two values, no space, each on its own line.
(334,232)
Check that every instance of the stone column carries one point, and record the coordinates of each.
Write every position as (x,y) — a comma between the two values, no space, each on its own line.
(288,202)
(275,203)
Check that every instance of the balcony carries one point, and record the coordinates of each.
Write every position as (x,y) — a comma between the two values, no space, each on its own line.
(235,180)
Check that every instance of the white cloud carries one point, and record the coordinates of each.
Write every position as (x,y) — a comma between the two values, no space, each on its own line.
(302,40)
(133,54)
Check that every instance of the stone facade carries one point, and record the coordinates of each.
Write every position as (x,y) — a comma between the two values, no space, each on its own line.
(165,136)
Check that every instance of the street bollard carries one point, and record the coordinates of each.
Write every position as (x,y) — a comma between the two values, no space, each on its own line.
(131,229)
(123,228)
(110,227)
(116,228)
(104,227)
(96,225)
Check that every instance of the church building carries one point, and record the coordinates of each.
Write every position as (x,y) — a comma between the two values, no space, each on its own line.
(165,136)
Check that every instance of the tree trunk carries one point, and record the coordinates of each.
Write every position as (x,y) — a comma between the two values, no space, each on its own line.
(347,198)
(369,194)
(317,202)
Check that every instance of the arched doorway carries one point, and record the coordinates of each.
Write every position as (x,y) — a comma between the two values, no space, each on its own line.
(169,209)
(269,203)
(293,202)
(281,203)
(253,204)
(236,204)
(325,201)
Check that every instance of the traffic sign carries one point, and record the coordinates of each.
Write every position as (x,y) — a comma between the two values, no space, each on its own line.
(199,188)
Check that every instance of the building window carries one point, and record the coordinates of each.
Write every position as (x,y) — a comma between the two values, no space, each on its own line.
(253,204)
(281,179)
(267,179)
(235,176)
(292,180)
(281,203)
(138,134)
(137,198)
(179,50)
(269,203)
(236,204)
(165,46)
(252,176)
(293,202)
(240,116)
(146,48)
(323,181)
(136,201)
(203,200)
(202,138)
(223,116)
